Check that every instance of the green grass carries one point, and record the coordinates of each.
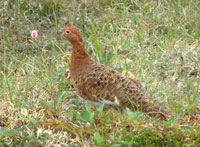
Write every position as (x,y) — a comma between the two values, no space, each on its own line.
(156,40)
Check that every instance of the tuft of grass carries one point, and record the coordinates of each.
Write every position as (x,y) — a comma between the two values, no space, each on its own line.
(156,41)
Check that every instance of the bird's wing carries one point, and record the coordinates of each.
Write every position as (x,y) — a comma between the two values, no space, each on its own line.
(105,85)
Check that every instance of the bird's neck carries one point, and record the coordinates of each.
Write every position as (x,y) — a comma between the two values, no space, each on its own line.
(80,60)
(78,52)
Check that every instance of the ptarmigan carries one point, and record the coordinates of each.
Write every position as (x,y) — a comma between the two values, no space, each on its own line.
(98,84)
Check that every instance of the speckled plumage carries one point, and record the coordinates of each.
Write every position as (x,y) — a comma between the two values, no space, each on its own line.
(99,84)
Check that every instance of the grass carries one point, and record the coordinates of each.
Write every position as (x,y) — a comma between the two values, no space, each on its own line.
(158,41)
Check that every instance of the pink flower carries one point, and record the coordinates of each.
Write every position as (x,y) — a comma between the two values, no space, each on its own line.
(34,34)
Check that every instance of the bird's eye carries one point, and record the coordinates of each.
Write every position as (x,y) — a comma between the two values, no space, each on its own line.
(67,31)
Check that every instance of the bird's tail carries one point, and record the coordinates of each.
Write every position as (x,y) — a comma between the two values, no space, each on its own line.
(144,105)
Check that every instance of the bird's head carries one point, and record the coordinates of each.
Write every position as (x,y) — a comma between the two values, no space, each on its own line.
(73,35)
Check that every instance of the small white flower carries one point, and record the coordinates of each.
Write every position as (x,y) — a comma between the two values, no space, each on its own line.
(24,112)
(150,125)
(34,34)
(39,131)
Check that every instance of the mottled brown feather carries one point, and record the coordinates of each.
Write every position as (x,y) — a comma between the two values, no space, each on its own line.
(98,83)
